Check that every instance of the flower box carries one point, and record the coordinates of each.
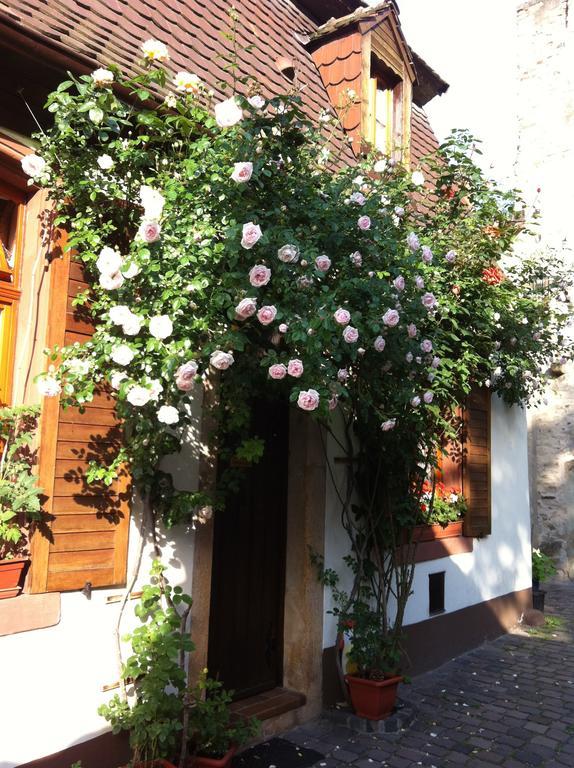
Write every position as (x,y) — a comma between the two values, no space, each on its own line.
(435,532)
(11,576)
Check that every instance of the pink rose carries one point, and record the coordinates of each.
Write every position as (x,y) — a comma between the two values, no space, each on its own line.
(413,242)
(333,402)
(426,345)
(267,315)
(399,283)
(350,334)
(343,374)
(415,401)
(429,300)
(386,426)
(364,222)
(379,344)
(277,371)
(411,330)
(356,259)
(358,198)
(391,318)
(185,375)
(295,368)
(283,328)
(419,282)
(451,257)
(428,397)
(427,254)
(308,399)
(149,230)
(322,263)
(246,308)
(221,360)
(259,275)
(342,316)
(288,254)
(250,235)
(242,172)
(435,362)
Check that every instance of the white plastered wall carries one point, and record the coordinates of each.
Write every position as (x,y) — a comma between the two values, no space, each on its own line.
(498,565)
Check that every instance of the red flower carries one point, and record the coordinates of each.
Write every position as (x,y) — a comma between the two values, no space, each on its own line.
(349,624)
(493,275)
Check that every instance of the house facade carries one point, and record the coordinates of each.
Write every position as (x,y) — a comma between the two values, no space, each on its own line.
(260,617)
(544,163)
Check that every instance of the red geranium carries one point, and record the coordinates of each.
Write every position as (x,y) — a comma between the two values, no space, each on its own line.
(493,275)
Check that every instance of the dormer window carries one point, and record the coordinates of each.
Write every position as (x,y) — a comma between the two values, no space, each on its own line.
(385,129)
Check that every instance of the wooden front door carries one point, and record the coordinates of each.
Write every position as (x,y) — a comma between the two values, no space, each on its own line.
(248,579)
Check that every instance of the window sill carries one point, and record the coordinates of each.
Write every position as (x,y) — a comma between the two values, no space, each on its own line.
(28,612)
(448,541)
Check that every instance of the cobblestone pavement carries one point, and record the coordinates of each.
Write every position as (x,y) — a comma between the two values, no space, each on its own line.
(509,703)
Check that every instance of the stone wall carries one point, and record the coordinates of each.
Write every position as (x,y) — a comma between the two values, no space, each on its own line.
(545,172)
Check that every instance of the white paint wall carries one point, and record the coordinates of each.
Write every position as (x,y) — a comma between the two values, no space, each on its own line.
(499,563)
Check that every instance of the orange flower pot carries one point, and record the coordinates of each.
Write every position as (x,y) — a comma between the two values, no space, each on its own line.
(197,761)
(11,577)
(373,699)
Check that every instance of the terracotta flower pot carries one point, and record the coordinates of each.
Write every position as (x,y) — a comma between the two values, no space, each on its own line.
(198,761)
(11,577)
(373,699)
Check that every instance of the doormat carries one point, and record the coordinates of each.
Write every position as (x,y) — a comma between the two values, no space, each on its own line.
(277,753)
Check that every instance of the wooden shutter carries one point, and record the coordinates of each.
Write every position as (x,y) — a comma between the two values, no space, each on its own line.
(476,463)
(85,535)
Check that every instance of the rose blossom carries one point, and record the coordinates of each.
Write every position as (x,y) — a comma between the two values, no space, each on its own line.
(391,318)
(288,254)
(419,282)
(242,172)
(364,222)
(411,330)
(160,327)
(149,231)
(138,395)
(153,50)
(246,308)
(350,334)
(386,426)
(105,162)
(308,399)
(415,401)
(277,371)
(379,344)
(49,386)
(342,316)
(399,211)
(322,263)
(122,354)
(155,389)
(409,357)
(132,324)
(413,242)
(267,314)
(119,314)
(295,368)
(116,379)
(380,166)
(450,257)
(33,165)
(250,235)
(259,275)
(428,397)
(399,283)
(152,202)
(132,270)
(356,259)
(186,82)
(228,113)
(257,101)
(358,198)
(418,178)
(111,282)
(102,77)
(428,300)
(283,328)
(426,345)
(427,254)
(333,402)
(221,360)
(167,414)
(109,261)
(435,362)
(342,374)
(185,374)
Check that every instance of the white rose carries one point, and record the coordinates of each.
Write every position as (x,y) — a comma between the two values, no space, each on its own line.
(228,113)
(380,166)
(105,162)
(138,395)
(116,379)
(111,282)
(122,354)
(131,271)
(242,172)
(78,366)
(102,77)
(186,82)
(49,386)
(418,178)
(153,50)
(152,202)
(160,327)
(167,414)
(251,233)
(132,325)
(109,261)
(33,165)
(288,254)
(257,101)
(155,388)
(119,314)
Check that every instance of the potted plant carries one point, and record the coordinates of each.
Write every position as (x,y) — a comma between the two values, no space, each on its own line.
(542,568)
(442,511)
(19,494)
(214,733)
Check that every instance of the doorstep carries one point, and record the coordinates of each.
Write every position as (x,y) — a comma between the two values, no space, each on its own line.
(269,704)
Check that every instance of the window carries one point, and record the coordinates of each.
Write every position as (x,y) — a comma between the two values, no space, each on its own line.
(11,218)
(436,592)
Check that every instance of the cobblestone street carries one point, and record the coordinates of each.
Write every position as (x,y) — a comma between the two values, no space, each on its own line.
(508,703)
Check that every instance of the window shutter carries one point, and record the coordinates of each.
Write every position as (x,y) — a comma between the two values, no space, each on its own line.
(85,535)
(476,463)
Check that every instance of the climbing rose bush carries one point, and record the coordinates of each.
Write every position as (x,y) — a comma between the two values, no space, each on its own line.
(229,238)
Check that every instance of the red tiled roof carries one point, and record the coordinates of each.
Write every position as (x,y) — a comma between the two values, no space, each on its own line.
(423,139)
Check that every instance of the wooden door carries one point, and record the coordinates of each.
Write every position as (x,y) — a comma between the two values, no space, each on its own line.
(247,591)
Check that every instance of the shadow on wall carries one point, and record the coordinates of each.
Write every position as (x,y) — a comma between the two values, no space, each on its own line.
(104,750)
